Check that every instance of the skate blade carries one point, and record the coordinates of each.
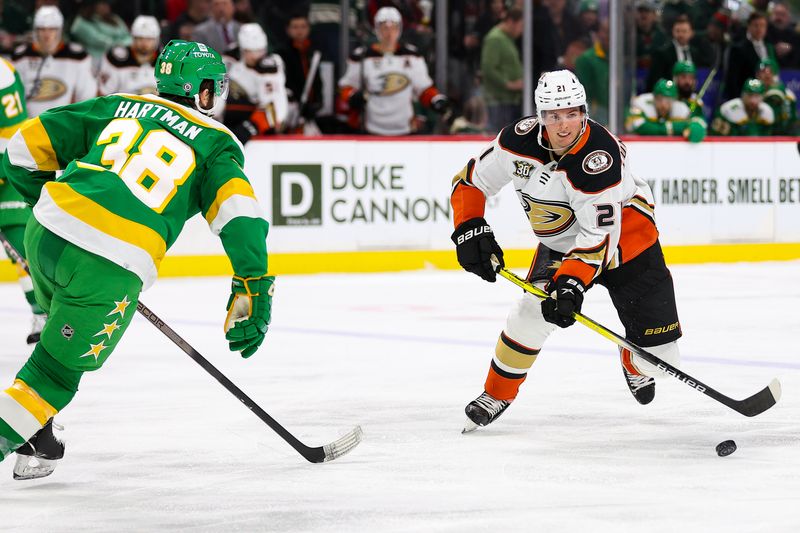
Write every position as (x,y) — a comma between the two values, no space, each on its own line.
(469,427)
(30,467)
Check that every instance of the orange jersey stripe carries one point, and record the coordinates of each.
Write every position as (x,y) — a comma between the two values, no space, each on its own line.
(468,202)
(638,234)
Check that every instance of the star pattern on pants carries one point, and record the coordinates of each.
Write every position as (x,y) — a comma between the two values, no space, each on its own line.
(95,350)
(120,307)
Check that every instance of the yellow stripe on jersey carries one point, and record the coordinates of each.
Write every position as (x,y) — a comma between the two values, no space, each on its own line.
(38,142)
(31,401)
(234,186)
(9,131)
(100,218)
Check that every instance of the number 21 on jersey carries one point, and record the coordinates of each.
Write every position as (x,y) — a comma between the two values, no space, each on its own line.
(160,164)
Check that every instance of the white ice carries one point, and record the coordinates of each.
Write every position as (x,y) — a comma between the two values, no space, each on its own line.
(153,443)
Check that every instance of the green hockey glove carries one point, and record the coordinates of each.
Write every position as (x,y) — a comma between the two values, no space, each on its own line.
(696,131)
(249,313)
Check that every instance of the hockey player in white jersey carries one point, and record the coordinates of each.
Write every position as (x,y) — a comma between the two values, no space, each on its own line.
(380,84)
(257,102)
(595,224)
(130,69)
(54,73)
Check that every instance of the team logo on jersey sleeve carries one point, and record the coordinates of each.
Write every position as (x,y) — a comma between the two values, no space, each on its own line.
(547,218)
(597,161)
(48,89)
(523,169)
(394,82)
(525,125)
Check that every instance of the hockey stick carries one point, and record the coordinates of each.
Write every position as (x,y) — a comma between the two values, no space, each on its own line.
(318,454)
(751,406)
(703,89)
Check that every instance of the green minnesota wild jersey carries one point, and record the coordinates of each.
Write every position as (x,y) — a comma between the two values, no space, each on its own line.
(784,105)
(12,102)
(135,169)
(732,119)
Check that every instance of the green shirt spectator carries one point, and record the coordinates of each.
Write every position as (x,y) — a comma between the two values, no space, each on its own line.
(98,29)
(591,68)
(747,115)
(501,68)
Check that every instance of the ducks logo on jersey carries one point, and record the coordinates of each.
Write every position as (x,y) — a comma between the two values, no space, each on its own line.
(48,89)
(393,82)
(547,218)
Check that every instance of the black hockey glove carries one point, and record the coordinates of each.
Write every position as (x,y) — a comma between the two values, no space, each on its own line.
(357,101)
(475,246)
(440,103)
(244,131)
(566,298)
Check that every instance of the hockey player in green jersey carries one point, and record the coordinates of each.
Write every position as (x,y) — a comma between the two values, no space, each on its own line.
(746,116)
(14,212)
(779,97)
(684,74)
(135,169)
(661,113)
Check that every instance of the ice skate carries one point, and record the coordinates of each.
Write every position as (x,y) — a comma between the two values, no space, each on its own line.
(482,411)
(642,387)
(36,328)
(37,458)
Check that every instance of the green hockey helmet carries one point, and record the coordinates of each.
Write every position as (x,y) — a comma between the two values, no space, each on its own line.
(753,86)
(665,88)
(683,67)
(770,64)
(183,65)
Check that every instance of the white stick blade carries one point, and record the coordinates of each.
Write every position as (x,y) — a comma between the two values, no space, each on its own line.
(338,448)
(775,389)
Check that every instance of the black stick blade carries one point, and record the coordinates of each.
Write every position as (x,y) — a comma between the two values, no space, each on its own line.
(760,401)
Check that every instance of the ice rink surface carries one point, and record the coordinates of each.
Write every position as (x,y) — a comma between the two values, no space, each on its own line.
(153,443)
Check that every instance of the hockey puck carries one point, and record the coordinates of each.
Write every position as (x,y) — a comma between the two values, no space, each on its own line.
(726,448)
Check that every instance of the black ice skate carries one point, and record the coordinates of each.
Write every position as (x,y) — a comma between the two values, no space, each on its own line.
(482,411)
(37,457)
(642,387)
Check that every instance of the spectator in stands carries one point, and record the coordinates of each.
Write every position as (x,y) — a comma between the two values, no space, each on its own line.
(649,36)
(672,10)
(745,55)
(780,98)
(545,54)
(566,32)
(243,12)
(592,71)
(701,12)
(15,22)
(383,80)
(196,13)
(131,69)
(713,42)
(781,32)
(501,69)
(298,57)
(662,113)
(490,18)
(54,73)
(220,31)
(98,29)
(747,115)
(257,103)
(684,74)
(680,49)
(589,20)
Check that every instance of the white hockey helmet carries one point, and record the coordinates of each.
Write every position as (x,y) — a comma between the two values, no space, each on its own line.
(388,14)
(48,17)
(559,89)
(252,37)
(146,27)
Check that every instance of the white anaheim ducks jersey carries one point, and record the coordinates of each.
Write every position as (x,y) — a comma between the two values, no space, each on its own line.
(120,72)
(63,78)
(391,83)
(261,87)
(575,202)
